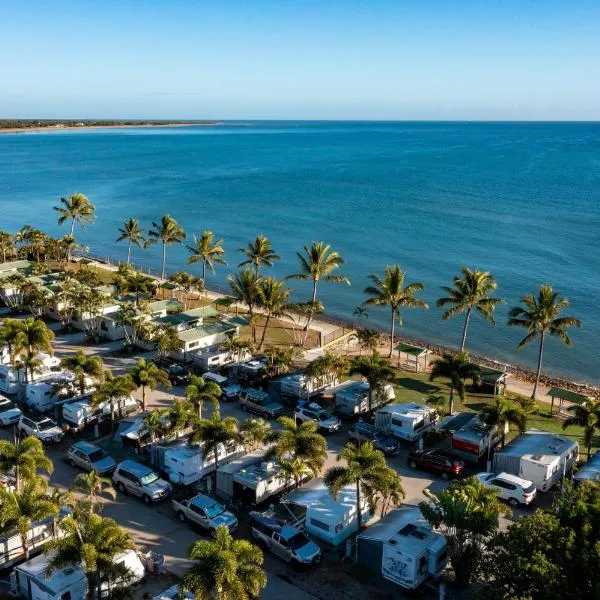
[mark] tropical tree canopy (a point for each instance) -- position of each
(167, 231)
(259, 252)
(208, 251)
(201, 390)
(84, 367)
(24, 458)
(376, 370)
(457, 369)
(133, 234)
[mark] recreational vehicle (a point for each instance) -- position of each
(405, 421)
(250, 372)
(175, 593)
(538, 456)
(324, 517)
(403, 548)
(12, 379)
(475, 440)
(300, 386)
(79, 413)
(352, 397)
(214, 358)
(43, 395)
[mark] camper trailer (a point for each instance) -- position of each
(352, 398)
(209, 359)
(323, 517)
(185, 464)
(405, 421)
(250, 479)
(12, 379)
(43, 395)
(79, 413)
(475, 440)
(538, 456)
(299, 386)
(403, 548)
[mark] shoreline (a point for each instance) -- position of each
(128, 126)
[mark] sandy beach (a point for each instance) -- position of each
(78, 127)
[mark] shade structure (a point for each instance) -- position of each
(413, 354)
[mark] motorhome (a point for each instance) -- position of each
(214, 358)
(251, 479)
(300, 386)
(403, 547)
(324, 517)
(538, 456)
(352, 397)
(184, 464)
(79, 413)
(13, 379)
(405, 421)
(474, 440)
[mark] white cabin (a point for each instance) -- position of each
(405, 421)
(403, 547)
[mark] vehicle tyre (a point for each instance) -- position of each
(121, 488)
(147, 499)
(72, 463)
(513, 502)
(181, 516)
(445, 475)
(412, 464)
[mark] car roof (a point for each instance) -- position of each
(203, 501)
(86, 447)
(514, 479)
(134, 467)
(40, 419)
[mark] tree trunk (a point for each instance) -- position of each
(539, 367)
(264, 333)
(69, 250)
(199, 404)
(164, 260)
(358, 510)
(466, 325)
(370, 399)
(451, 399)
(25, 547)
(392, 332)
(203, 271)
(143, 398)
(129, 253)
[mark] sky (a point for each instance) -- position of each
(301, 59)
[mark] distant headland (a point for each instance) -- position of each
(23, 125)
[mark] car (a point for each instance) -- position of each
(9, 412)
(137, 479)
(259, 402)
(314, 412)
(230, 389)
(515, 490)
(90, 457)
(206, 512)
(46, 430)
(365, 432)
(178, 375)
(439, 461)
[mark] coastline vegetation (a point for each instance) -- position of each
(75, 123)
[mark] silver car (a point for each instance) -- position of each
(141, 481)
(206, 512)
(9, 412)
(314, 412)
(90, 457)
(44, 429)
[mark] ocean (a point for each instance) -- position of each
(521, 200)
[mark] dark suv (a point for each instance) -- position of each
(178, 375)
(365, 432)
(438, 461)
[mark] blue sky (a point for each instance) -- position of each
(304, 59)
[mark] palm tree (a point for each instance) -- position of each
(246, 288)
(112, 390)
(92, 542)
(208, 251)
(25, 458)
(133, 233)
(457, 369)
(139, 284)
(503, 413)
(187, 282)
(59, 499)
(391, 291)
(586, 414)
(9, 331)
(541, 317)
(225, 568)
(259, 252)
(215, 433)
(93, 486)
(376, 370)
(181, 415)
(148, 376)
(200, 391)
(34, 336)
(78, 209)
(295, 470)
(318, 263)
(19, 509)
(390, 490)
(168, 232)
(255, 433)
(326, 368)
(156, 423)
(301, 442)
(279, 360)
(471, 292)
(438, 403)
(273, 299)
(7, 245)
(365, 467)
(29, 363)
(84, 366)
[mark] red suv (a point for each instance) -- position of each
(438, 461)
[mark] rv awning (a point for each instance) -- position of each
(567, 395)
(412, 350)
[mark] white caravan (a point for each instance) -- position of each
(475, 440)
(43, 395)
(79, 413)
(405, 421)
(352, 397)
(214, 358)
(538, 456)
(12, 379)
(403, 547)
(300, 386)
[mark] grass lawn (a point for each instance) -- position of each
(279, 333)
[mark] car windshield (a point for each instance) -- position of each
(298, 541)
(149, 478)
(228, 383)
(97, 455)
(322, 415)
(259, 400)
(45, 425)
(529, 489)
(7, 405)
(214, 510)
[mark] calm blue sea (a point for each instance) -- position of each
(521, 200)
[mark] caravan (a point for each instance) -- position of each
(538, 456)
(12, 379)
(77, 413)
(475, 439)
(43, 395)
(214, 358)
(352, 397)
(299, 386)
(403, 547)
(405, 421)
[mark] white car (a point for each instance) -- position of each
(44, 429)
(9, 412)
(313, 412)
(514, 490)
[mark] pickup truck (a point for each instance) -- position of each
(288, 542)
(204, 511)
